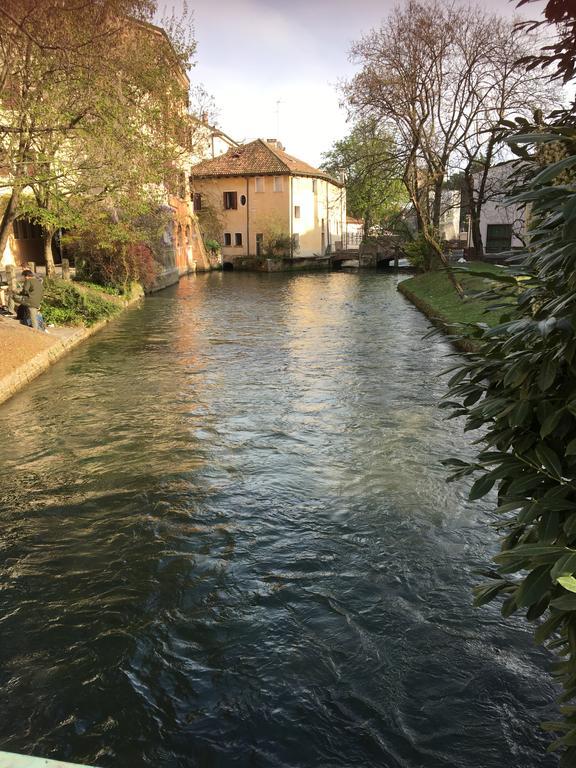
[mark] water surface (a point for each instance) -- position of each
(226, 540)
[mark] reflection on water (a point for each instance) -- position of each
(227, 540)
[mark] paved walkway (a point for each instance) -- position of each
(19, 344)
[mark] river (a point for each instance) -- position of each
(227, 540)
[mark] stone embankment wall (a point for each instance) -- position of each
(463, 345)
(26, 353)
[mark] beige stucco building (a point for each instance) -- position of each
(262, 195)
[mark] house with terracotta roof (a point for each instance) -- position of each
(266, 198)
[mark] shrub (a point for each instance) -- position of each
(418, 252)
(520, 391)
(65, 304)
(279, 245)
(116, 265)
(212, 245)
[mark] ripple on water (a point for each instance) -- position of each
(227, 540)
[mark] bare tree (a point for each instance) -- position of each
(439, 76)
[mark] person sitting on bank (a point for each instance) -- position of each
(30, 296)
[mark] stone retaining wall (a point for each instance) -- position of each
(464, 345)
(25, 373)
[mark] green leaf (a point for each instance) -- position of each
(533, 138)
(547, 374)
(550, 423)
(548, 627)
(486, 592)
(553, 170)
(566, 602)
(509, 607)
(523, 551)
(481, 487)
(564, 566)
(522, 485)
(571, 448)
(550, 526)
(570, 525)
(549, 460)
(534, 587)
(536, 610)
(521, 414)
(568, 582)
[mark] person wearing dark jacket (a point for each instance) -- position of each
(30, 296)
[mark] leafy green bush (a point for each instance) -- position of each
(65, 304)
(279, 245)
(520, 390)
(212, 245)
(111, 290)
(417, 252)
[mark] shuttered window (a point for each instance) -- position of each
(230, 201)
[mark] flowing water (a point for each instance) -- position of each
(226, 540)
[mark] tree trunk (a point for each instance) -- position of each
(367, 225)
(475, 208)
(48, 255)
(476, 234)
(437, 205)
(8, 218)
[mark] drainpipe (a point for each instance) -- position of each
(291, 215)
(327, 219)
(247, 217)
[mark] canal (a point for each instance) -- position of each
(226, 540)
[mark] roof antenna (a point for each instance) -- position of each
(278, 118)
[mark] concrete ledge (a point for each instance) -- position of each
(40, 362)
(11, 760)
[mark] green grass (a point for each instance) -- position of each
(436, 292)
(66, 303)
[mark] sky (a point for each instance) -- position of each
(273, 66)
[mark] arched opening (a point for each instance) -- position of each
(227, 266)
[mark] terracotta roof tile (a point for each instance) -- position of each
(257, 159)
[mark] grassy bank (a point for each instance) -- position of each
(436, 297)
(78, 304)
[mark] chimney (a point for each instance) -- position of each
(275, 144)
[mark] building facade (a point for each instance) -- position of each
(270, 203)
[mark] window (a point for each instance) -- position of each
(296, 211)
(197, 199)
(230, 201)
(314, 185)
(242, 199)
(277, 183)
(238, 238)
(498, 237)
(227, 238)
(259, 183)
(259, 244)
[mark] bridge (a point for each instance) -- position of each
(365, 257)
